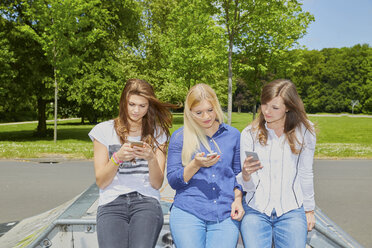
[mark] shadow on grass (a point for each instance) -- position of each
(177, 119)
(65, 131)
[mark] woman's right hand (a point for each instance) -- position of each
(201, 161)
(126, 152)
(250, 166)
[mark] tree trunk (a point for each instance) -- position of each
(239, 109)
(229, 104)
(254, 110)
(41, 126)
(55, 105)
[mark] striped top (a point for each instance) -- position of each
(131, 176)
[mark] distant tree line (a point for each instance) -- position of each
(85, 50)
(329, 80)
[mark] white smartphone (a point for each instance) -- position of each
(213, 154)
(253, 154)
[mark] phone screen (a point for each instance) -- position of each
(253, 154)
(136, 143)
(212, 154)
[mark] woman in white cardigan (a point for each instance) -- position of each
(279, 202)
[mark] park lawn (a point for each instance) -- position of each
(18, 141)
(343, 137)
(337, 138)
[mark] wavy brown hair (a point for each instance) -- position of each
(295, 116)
(158, 115)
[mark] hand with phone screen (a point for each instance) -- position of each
(142, 150)
(212, 154)
(135, 149)
(136, 143)
(209, 160)
(251, 165)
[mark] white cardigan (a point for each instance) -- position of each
(286, 180)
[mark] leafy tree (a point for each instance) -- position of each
(68, 39)
(233, 15)
(275, 28)
(29, 70)
(261, 31)
(243, 98)
(107, 58)
(328, 80)
(185, 47)
(7, 58)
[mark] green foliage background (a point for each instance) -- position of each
(89, 48)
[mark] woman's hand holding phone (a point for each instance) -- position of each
(251, 165)
(206, 161)
(143, 150)
(125, 153)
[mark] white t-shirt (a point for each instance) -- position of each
(131, 176)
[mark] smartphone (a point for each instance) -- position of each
(213, 154)
(253, 154)
(136, 143)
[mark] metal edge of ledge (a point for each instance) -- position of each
(72, 213)
(331, 231)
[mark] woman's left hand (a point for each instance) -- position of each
(237, 210)
(310, 218)
(144, 152)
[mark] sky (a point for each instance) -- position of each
(338, 23)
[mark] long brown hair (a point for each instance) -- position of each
(295, 116)
(157, 117)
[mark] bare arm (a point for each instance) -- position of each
(105, 169)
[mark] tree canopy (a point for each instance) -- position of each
(87, 49)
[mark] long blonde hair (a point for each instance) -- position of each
(295, 116)
(193, 134)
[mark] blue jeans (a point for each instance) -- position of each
(259, 230)
(189, 231)
(131, 220)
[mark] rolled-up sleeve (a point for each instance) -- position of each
(236, 163)
(305, 171)
(174, 162)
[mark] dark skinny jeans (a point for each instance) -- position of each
(130, 221)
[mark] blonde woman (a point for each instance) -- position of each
(203, 160)
(279, 181)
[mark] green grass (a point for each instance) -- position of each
(343, 137)
(337, 137)
(18, 141)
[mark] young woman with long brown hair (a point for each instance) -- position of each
(129, 173)
(280, 194)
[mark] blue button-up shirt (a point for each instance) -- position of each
(210, 192)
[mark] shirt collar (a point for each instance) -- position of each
(272, 132)
(222, 128)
